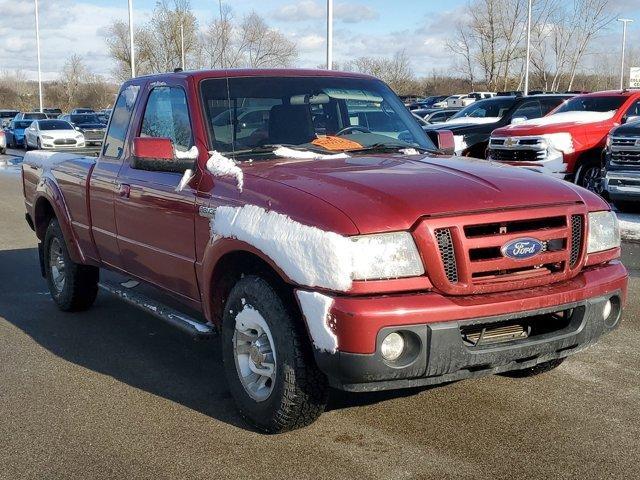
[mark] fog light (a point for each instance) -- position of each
(392, 346)
(606, 310)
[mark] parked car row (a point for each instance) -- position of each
(53, 129)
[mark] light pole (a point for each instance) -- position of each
(528, 56)
(624, 41)
(329, 34)
(38, 52)
(131, 47)
(182, 43)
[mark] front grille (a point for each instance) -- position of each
(93, 135)
(577, 232)
(447, 253)
(472, 258)
(517, 149)
(625, 150)
(64, 141)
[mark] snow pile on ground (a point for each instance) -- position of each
(629, 226)
(568, 117)
(472, 120)
(306, 155)
(307, 255)
(42, 159)
(221, 166)
(315, 308)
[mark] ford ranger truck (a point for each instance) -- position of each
(569, 142)
(622, 166)
(306, 218)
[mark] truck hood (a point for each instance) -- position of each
(391, 192)
(559, 122)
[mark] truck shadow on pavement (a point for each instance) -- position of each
(115, 339)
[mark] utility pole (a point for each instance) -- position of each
(131, 46)
(38, 49)
(329, 34)
(528, 57)
(624, 41)
(182, 43)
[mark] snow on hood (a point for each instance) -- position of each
(307, 255)
(315, 309)
(568, 117)
(471, 120)
(42, 159)
(306, 155)
(221, 166)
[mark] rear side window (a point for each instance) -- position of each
(167, 115)
(528, 110)
(114, 140)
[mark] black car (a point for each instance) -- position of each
(621, 176)
(89, 124)
(81, 111)
(52, 112)
(472, 126)
(6, 116)
(435, 115)
(426, 102)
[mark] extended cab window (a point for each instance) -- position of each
(634, 110)
(167, 116)
(114, 141)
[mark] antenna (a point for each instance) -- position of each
(234, 119)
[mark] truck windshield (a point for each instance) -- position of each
(489, 108)
(320, 113)
(606, 103)
(85, 118)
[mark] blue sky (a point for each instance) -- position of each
(362, 27)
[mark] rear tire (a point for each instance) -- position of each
(295, 395)
(537, 370)
(73, 287)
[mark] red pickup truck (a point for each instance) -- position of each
(305, 217)
(569, 142)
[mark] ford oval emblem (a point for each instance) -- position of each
(522, 248)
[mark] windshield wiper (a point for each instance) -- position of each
(386, 147)
(270, 148)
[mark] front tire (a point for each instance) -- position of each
(73, 287)
(268, 360)
(589, 176)
(536, 370)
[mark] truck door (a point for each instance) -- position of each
(155, 223)
(102, 188)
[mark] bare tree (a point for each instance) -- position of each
(249, 43)
(395, 71)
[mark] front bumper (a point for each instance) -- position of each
(622, 184)
(434, 323)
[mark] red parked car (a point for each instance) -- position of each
(306, 217)
(569, 142)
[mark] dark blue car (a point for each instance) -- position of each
(15, 132)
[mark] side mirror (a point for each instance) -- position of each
(157, 155)
(445, 142)
(517, 120)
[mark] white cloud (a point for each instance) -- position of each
(312, 10)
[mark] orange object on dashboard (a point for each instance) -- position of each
(336, 143)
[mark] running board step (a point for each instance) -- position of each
(165, 313)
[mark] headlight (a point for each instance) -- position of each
(385, 255)
(459, 144)
(560, 141)
(79, 137)
(47, 137)
(604, 232)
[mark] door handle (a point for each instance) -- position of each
(124, 190)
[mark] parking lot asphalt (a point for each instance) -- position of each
(114, 393)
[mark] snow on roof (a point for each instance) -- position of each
(43, 159)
